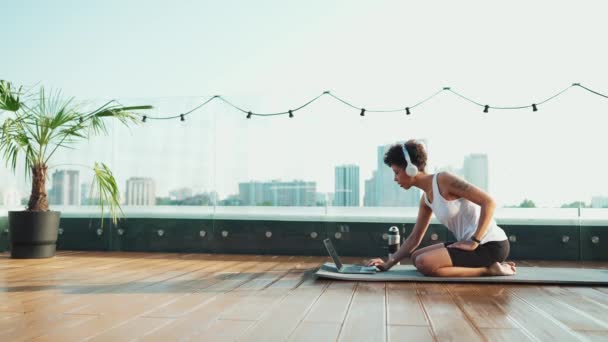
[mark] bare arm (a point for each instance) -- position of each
(458, 187)
(414, 239)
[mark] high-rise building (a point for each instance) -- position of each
(453, 170)
(599, 202)
(88, 195)
(369, 197)
(65, 188)
(86, 198)
(324, 199)
(180, 194)
(141, 191)
(346, 186)
(277, 193)
(252, 193)
(475, 170)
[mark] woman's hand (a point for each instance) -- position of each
(382, 266)
(465, 245)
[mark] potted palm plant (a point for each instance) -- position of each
(34, 129)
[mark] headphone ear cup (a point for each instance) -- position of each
(411, 170)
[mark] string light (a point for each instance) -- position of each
(362, 110)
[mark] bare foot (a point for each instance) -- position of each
(510, 263)
(504, 269)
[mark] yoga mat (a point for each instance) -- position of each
(525, 275)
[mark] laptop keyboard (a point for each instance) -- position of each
(357, 268)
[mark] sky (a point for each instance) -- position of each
(270, 56)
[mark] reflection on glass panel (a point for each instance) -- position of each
(168, 162)
(155, 163)
(330, 156)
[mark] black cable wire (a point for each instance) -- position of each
(587, 89)
(407, 109)
(466, 98)
(428, 98)
(511, 107)
(346, 103)
(180, 115)
(271, 114)
(385, 110)
(554, 96)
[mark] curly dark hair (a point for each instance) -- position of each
(394, 155)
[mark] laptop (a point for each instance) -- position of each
(360, 269)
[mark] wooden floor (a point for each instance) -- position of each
(117, 296)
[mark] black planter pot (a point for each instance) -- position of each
(33, 233)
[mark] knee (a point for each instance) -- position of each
(424, 266)
(414, 257)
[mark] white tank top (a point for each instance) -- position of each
(461, 216)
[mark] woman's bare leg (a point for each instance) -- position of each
(424, 250)
(437, 263)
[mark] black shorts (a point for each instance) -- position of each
(484, 256)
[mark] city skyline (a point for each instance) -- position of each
(65, 186)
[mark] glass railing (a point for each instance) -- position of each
(326, 162)
(507, 216)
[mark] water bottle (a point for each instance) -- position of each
(394, 241)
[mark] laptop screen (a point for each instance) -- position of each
(332, 252)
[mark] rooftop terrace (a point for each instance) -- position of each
(120, 296)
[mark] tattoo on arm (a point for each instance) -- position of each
(461, 185)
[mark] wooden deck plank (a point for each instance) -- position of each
(124, 296)
(505, 335)
(333, 303)
(132, 329)
(576, 314)
(409, 333)
(589, 294)
(324, 320)
(143, 304)
(220, 298)
(479, 307)
(316, 332)
(594, 336)
(26, 330)
(531, 320)
(279, 322)
(198, 320)
(223, 330)
(404, 307)
(254, 306)
(366, 316)
(448, 321)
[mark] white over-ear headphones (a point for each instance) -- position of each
(411, 169)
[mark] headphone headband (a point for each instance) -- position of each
(406, 154)
(410, 169)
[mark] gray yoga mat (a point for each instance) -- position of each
(525, 275)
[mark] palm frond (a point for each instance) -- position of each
(12, 141)
(46, 121)
(9, 99)
(108, 191)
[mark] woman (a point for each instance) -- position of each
(481, 247)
